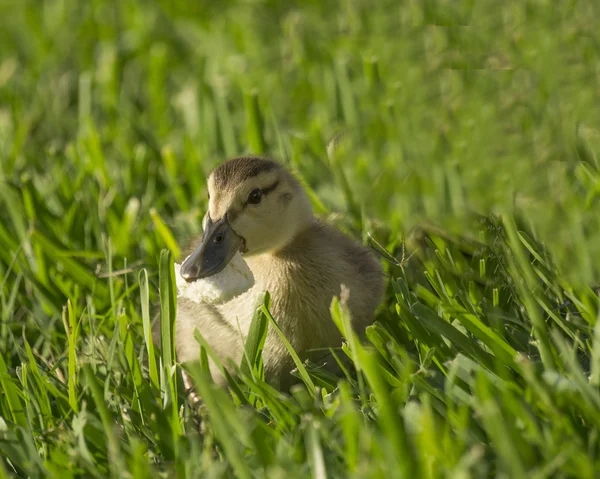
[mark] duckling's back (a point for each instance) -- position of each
(342, 260)
(306, 275)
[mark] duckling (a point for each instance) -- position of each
(256, 206)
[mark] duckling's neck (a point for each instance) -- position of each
(300, 221)
(296, 235)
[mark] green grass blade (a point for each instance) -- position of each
(164, 233)
(168, 306)
(145, 304)
(290, 349)
(70, 324)
(15, 410)
(257, 334)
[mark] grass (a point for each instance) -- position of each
(473, 138)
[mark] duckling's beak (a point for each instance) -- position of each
(219, 244)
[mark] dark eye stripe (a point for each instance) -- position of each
(265, 191)
(268, 189)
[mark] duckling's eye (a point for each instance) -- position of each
(255, 197)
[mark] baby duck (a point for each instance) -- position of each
(257, 207)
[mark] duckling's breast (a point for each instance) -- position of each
(300, 299)
(238, 311)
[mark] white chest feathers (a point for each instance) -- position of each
(235, 279)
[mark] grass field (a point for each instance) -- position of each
(473, 138)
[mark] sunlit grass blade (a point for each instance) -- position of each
(313, 444)
(164, 233)
(168, 306)
(257, 334)
(14, 409)
(290, 349)
(351, 425)
(43, 392)
(72, 330)
(145, 306)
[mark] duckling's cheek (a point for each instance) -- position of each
(285, 198)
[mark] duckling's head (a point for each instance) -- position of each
(255, 206)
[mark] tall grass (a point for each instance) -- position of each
(471, 154)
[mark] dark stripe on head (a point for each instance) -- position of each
(241, 169)
(268, 189)
(265, 191)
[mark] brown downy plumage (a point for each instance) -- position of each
(256, 206)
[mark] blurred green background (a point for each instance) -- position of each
(456, 107)
(462, 117)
